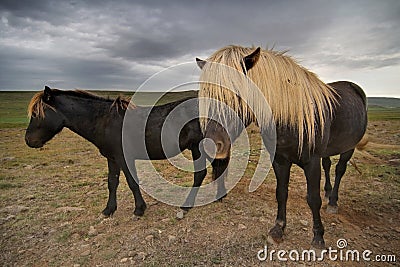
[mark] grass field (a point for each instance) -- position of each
(376, 113)
(51, 201)
(14, 104)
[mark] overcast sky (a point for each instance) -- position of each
(119, 44)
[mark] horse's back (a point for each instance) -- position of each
(163, 131)
(349, 121)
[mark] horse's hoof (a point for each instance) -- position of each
(139, 211)
(186, 209)
(221, 198)
(327, 195)
(332, 209)
(107, 212)
(276, 233)
(318, 243)
(181, 214)
(105, 216)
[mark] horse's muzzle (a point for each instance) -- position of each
(33, 143)
(214, 149)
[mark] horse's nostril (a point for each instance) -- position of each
(32, 142)
(209, 147)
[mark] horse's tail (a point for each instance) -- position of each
(363, 143)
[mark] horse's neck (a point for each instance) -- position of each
(86, 118)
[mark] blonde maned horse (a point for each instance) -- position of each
(313, 120)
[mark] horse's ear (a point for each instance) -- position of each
(47, 94)
(200, 62)
(251, 60)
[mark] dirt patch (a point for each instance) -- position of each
(52, 198)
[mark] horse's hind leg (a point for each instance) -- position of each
(326, 165)
(282, 172)
(339, 172)
(200, 171)
(132, 179)
(113, 181)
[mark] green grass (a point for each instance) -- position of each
(13, 108)
(377, 113)
(9, 185)
(14, 105)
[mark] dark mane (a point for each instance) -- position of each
(37, 104)
(121, 104)
(83, 94)
(118, 104)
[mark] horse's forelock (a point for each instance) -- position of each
(37, 105)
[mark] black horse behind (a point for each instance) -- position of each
(100, 121)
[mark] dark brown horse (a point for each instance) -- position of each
(100, 121)
(313, 120)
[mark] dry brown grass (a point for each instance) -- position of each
(38, 185)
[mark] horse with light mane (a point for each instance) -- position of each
(313, 120)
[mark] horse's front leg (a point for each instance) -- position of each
(132, 179)
(220, 171)
(113, 181)
(282, 172)
(312, 171)
(200, 171)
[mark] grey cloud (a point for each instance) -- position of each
(102, 44)
(34, 70)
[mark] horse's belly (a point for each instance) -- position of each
(345, 136)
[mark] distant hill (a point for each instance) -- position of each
(386, 102)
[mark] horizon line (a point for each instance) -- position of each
(132, 91)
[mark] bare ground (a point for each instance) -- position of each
(52, 198)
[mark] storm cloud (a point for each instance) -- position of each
(118, 44)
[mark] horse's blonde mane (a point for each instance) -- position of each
(297, 97)
(37, 105)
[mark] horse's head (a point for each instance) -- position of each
(245, 62)
(224, 113)
(45, 122)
